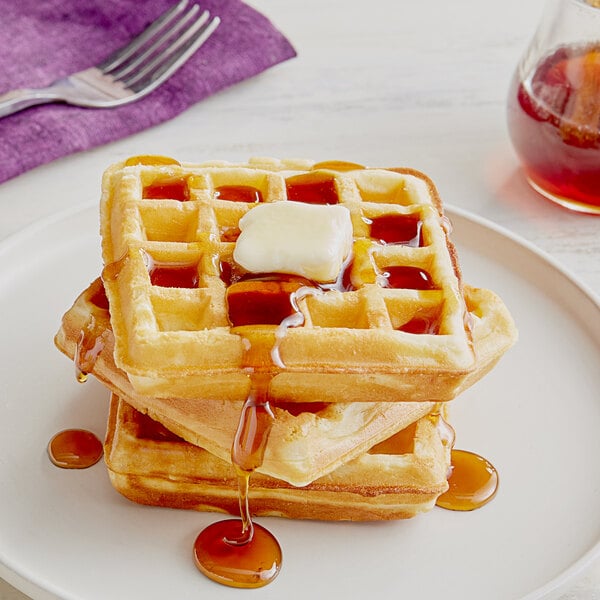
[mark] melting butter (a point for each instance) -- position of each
(295, 238)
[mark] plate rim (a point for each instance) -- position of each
(29, 584)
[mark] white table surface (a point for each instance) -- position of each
(387, 83)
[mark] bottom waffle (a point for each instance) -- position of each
(396, 479)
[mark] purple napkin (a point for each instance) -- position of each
(42, 40)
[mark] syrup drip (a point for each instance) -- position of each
(295, 319)
(111, 271)
(93, 335)
(91, 342)
(238, 193)
(254, 427)
(473, 482)
(99, 298)
(445, 430)
(240, 553)
(75, 449)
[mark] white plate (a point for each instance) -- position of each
(67, 534)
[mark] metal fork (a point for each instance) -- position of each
(131, 72)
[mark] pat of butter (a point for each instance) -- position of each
(295, 238)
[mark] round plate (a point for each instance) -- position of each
(536, 417)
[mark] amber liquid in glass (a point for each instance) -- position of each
(554, 123)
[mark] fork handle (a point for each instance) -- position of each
(17, 100)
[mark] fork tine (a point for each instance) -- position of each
(164, 66)
(123, 54)
(164, 56)
(135, 61)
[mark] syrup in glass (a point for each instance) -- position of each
(554, 123)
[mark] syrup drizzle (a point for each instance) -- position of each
(90, 344)
(80, 448)
(93, 335)
(472, 479)
(238, 552)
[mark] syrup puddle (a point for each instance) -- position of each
(473, 482)
(75, 449)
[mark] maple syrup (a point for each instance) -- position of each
(312, 188)
(93, 335)
(150, 159)
(91, 342)
(250, 565)
(99, 298)
(239, 193)
(554, 123)
(421, 326)
(261, 301)
(397, 229)
(238, 552)
(473, 482)
(167, 190)
(173, 275)
(75, 449)
(338, 165)
(405, 277)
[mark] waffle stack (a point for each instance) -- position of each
(358, 356)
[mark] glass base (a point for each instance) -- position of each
(573, 205)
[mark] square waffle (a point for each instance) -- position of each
(306, 441)
(399, 478)
(393, 329)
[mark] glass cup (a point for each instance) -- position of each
(554, 106)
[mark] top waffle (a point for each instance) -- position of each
(191, 322)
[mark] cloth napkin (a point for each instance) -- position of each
(42, 40)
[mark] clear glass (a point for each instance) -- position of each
(554, 106)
